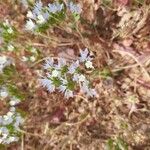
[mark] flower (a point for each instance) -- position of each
(55, 7)
(30, 15)
(32, 58)
(72, 68)
(84, 55)
(40, 19)
(48, 84)
(30, 25)
(10, 47)
(62, 88)
(10, 30)
(3, 93)
(68, 93)
(37, 8)
(61, 63)
(55, 73)
(89, 64)
(3, 60)
(49, 63)
(74, 8)
(14, 101)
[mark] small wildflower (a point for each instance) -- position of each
(55, 7)
(30, 15)
(84, 55)
(10, 47)
(68, 93)
(40, 19)
(72, 68)
(37, 8)
(89, 64)
(10, 30)
(74, 8)
(49, 63)
(55, 73)
(48, 84)
(32, 58)
(4, 93)
(30, 25)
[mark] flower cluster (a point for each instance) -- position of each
(50, 14)
(11, 121)
(42, 14)
(7, 34)
(68, 77)
(33, 54)
(4, 61)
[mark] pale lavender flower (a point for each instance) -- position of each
(55, 7)
(49, 63)
(92, 93)
(84, 55)
(62, 88)
(48, 84)
(61, 63)
(37, 8)
(72, 68)
(74, 8)
(46, 15)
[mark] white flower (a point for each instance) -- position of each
(30, 25)
(10, 30)
(3, 93)
(41, 19)
(10, 114)
(30, 15)
(24, 58)
(10, 47)
(32, 58)
(68, 93)
(3, 59)
(13, 102)
(89, 64)
(6, 23)
(7, 120)
(12, 109)
(55, 73)
(12, 139)
(82, 78)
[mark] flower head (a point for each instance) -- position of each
(74, 8)
(30, 25)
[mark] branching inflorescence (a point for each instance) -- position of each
(69, 77)
(42, 17)
(11, 120)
